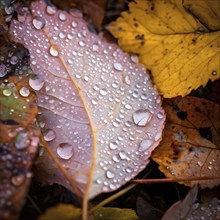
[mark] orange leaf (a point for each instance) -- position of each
(191, 140)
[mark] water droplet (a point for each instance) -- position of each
(3, 70)
(128, 124)
(22, 141)
(82, 43)
(96, 87)
(17, 180)
(110, 174)
(135, 94)
(210, 167)
(160, 115)
(127, 80)
(49, 135)
(134, 58)
(95, 47)
(51, 10)
(128, 106)
(24, 91)
(118, 66)
(103, 92)
(115, 158)
(62, 16)
(65, 151)
(94, 101)
(112, 186)
(129, 169)
(144, 96)
(54, 50)
(141, 117)
(38, 22)
(6, 92)
(14, 60)
(74, 24)
(62, 35)
(214, 73)
(122, 155)
(36, 83)
(145, 144)
(113, 145)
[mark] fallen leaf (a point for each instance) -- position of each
(191, 140)
(189, 208)
(69, 212)
(100, 114)
(180, 52)
(18, 102)
(18, 144)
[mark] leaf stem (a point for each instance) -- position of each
(168, 180)
(111, 198)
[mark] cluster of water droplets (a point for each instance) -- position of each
(90, 91)
(15, 162)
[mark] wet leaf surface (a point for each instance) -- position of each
(101, 116)
(191, 140)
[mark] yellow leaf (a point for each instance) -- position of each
(62, 211)
(190, 144)
(69, 212)
(170, 43)
(109, 213)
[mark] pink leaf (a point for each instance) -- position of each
(101, 116)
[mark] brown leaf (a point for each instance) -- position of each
(18, 144)
(101, 116)
(190, 146)
(190, 209)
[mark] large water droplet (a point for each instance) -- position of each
(17, 180)
(141, 117)
(24, 91)
(110, 174)
(6, 92)
(82, 43)
(62, 16)
(160, 115)
(94, 101)
(3, 70)
(103, 92)
(118, 66)
(115, 158)
(65, 151)
(54, 50)
(38, 22)
(49, 135)
(36, 83)
(145, 144)
(14, 60)
(51, 10)
(22, 141)
(113, 145)
(122, 155)
(74, 24)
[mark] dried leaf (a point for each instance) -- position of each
(190, 209)
(101, 116)
(181, 208)
(69, 212)
(18, 144)
(170, 43)
(191, 140)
